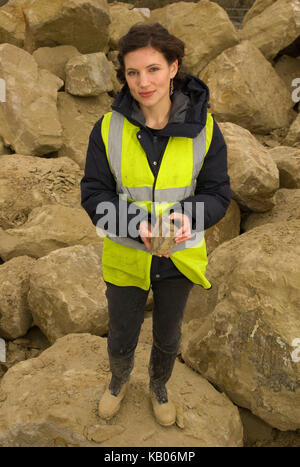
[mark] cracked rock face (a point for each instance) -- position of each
(162, 240)
(52, 401)
(246, 340)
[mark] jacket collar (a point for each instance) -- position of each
(188, 112)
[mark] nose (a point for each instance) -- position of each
(144, 80)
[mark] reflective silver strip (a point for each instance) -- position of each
(126, 241)
(129, 242)
(141, 193)
(115, 146)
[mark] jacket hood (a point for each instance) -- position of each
(188, 112)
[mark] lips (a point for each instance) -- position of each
(146, 94)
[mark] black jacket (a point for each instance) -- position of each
(187, 118)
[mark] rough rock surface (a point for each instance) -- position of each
(12, 24)
(77, 117)
(287, 160)
(67, 292)
(54, 59)
(27, 182)
(247, 343)
(88, 75)
(28, 119)
(254, 177)
(55, 396)
(226, 229)
(81, 23)
(203, 26)
(15, 316)
(293, 135)
(246, 90)
(123, 16)
(47, 228)
(274, 28)
(162, 240)
(287, 208)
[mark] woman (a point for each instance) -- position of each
(158, 151)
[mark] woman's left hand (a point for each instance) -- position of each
(184, 232)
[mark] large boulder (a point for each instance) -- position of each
(81, 23)
(67, 292)
(15, 316)
(123, 16)
(246, 339)
(257, 8)
(288, 68)
(27, 182)
(78, 115)
(276, 27)
(287, 160)
(47, 228)
(52, 401)
(246, 90)
(293, 135)
(204, 27)
(12, 23)
(54, 59)
(254, 177)
(226, 229)
(28, 119)
(286, 208)
(89, 75)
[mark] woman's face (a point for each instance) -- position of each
(148, 75)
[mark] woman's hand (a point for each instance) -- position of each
(184, 231)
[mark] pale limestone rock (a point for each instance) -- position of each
(204, 27)
(12, 23)
(28, 346)
(81, 23)
(78, 115)
(47, 228)
(88, 75)
(55, 396)
(244, 340)
(288, 68)
(293, 135)
(15, 316)
(254, 177)
(257, 8)
(226, 229)
(287, 160)
(27, 182)
(274, 28)
(28, 119)
(287, 208)
(3, 149)
(246, 90)
(54, 59)
(123, 16)
(67, 292)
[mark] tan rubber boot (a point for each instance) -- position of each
(109, 404)
(165, 414)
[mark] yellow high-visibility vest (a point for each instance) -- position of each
(126, 262)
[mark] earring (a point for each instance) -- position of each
(171, 87)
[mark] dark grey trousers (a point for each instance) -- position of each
(126, 307)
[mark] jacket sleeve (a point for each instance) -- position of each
(213, 183)
(99, 186)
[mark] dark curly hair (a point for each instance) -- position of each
(156, 36)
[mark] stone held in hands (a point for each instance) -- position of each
(163, 236)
